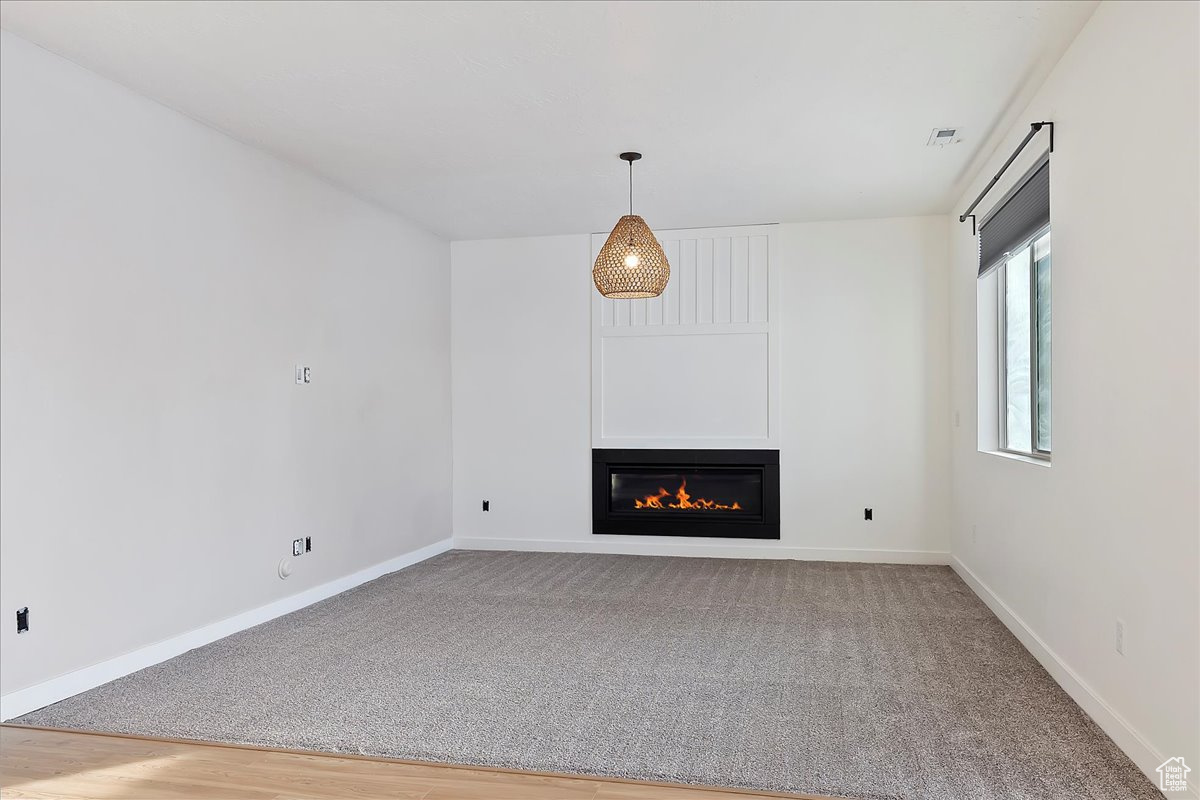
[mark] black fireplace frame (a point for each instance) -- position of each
(606, 522)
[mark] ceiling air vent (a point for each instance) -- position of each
(943, 136)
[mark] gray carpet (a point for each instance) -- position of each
(857, 680)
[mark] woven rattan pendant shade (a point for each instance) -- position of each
(632, 263)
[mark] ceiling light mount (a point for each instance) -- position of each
(632, 263)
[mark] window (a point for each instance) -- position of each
(1014, 308)
(1024, 337)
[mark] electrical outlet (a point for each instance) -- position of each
(487, 505)
(303, 374)
(868, 514)
(23, 620)
(308, 544)
(297, 547)
(1120, 636)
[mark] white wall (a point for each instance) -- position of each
(864, 313)
(159, 283)
(520, 353)
(866, 418)
(1111, 530)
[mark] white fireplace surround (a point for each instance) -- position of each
(697, 367)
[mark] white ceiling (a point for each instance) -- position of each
(504, 119)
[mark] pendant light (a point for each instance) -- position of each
(632, 263)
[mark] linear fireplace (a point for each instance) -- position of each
(723, 493)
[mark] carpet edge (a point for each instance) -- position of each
(22, 701)
(1131, 742)
(740, 550)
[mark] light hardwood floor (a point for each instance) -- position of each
(69, 765)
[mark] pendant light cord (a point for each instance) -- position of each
(631, 188)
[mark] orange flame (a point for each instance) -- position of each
(684, 501)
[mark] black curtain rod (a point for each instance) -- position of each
(1033, 129)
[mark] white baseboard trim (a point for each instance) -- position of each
(1133, 743)
(22, 701)
(640, 547)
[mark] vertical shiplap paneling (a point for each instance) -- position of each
(720, 280)
(704, 281)
(607, 313)
(739, 279)
(759, 289)
(654, 310)
(620, 313)
(637, 312)
(687, 282)
(654, 305)
(722, 289)
(671, 295)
